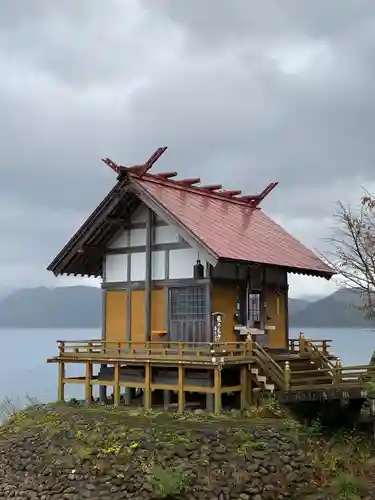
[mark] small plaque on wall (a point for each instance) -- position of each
(217, 323)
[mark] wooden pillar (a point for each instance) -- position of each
(103, 388)
(217, 389)
(210, 402)
(147, 393)
(148, 277)
(181, 393)
(244, 387)
(61, 384)
(166, 399)
(287, 376)
(88, 386)
(250, 386)
(127, 396)
(116, 385)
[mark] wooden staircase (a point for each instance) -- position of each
(284, 371)
(262, 382)
(267, 374)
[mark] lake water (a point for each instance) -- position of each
(24, 371)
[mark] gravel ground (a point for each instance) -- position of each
(56, 453)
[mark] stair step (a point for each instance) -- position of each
(254, 371)
(262, 378)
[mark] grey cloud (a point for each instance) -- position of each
(242, 92)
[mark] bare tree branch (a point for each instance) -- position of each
(353, 249)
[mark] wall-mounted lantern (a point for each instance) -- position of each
(198, 270)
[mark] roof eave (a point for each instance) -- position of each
(317, 273)
(85, 231)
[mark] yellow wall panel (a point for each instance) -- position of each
(276, 309)
(223, 298)
(115, 315)
(137, 318)
(157, 312)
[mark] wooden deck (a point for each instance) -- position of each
(305, 371)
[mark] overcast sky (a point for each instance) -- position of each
(243, 92)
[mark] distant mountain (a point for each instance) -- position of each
(337, 310)
(61, 307)
(80, 307)
(297, 305)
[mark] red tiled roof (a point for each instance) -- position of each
(230, 228)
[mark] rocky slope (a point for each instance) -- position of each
(56, 453)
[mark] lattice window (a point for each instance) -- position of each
(188, 304)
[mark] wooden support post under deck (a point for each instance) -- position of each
(250, 386)
(217, 389)
(210, 402)
(166, 399)
(181, 394)
(116, 385)
(103, 388)
(244, 387)
(88, 386)
(147, 393)
(61, 384)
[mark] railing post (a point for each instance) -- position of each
(324, 347)
(61, 347)
(287, 376)
(249, 346)
(337, 373)
(302, 343)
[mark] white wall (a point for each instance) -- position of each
(116, 267)
(181, 261)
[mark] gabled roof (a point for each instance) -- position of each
(227, 225)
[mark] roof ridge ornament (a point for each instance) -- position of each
(138, 171)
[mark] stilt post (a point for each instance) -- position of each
(88, 386)
(147, 390)
(217, 388)
(61, 384)
(181, 393)
(116, 386)
(244, 387)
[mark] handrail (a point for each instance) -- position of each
(342, 376)
(321, 355)
(268, 364)
(321, 344)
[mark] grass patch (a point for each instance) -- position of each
(349, 487)
(165, 483)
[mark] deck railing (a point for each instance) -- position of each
(153, 350)
(302, 345)
(341, 377)
(328, 374)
